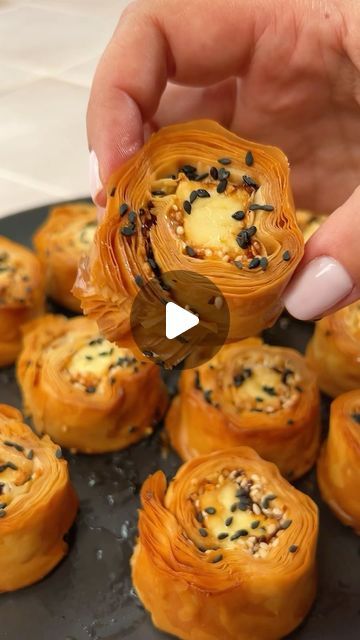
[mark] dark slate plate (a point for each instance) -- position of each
(89, 595)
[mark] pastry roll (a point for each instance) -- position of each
(21, 295)
(227, 550)
(249, 394)
(196, 199)
(309, 222)
(38, 504)
(334, 351)
(86, 393)
(65, 236)
(339, 462)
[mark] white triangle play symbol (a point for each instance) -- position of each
(178, 320)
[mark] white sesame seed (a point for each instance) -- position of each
(256, 509)
(271, 529)
(208, 253)
(218, 302)
(180, 230)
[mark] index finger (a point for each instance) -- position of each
(195, 43)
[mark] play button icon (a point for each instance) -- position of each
(178, 320)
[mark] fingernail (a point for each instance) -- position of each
(94, 176)
(318, 287)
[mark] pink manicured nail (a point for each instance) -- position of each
(94, 176)
(319, 286)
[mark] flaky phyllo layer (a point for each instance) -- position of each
(195, 198)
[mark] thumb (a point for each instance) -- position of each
(328, 277)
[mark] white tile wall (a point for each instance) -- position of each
(48, 53)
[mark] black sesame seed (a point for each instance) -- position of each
(188, 168)
(255, 524)
(239, 534)
(207, 396)
(199, 517)
(228, 521)
(243, 239)
(221, 186)
(193, 196)
(58, 453)
(250, 182)
(249, 159)
(187, 206)
(9, 443)
(132, 217)
(224, 160)
(286, 524)
(139, 280)
(238, 379)
(96, 341)
(201, 549)
(190, 251)
(290, 421)
(214, 173)
(202, 176)
(2, 513)
(261, 207)
(30, 454)
(286, 256)
(269, 390)
(3, 505)
(112, 192)
(293, 548)
(11, 465)
(266, 501)
(90, 389)
(254, 263)
(203, 532)
(222, 536)
(238, 215)
(202, 193)
(124, 208)
(148, 354)
(158, 192)
(127, 231)
(238, 264)
(217, 558)
(210, 510)
(264, 263)
(233, 507)
(356, 417)
(241, 492)
(223, 174)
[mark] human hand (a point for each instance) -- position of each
(273, 71)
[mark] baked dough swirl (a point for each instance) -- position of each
(86, 393)
(38, 504)
(227, 550)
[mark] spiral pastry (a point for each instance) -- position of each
(309, 222)
(334, 351)
(86, 393)
(196, 199)
(38, 504)
(65, 236)
(249, 394)
(21, 295)
(339, 462)
(227, 550)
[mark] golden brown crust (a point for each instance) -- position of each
(334, 351)
(87, 394)
(21, 295)
(38, 503)
(64, 237)
(249, 394)
(256, 583)
(339, 462)
(147, 232)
